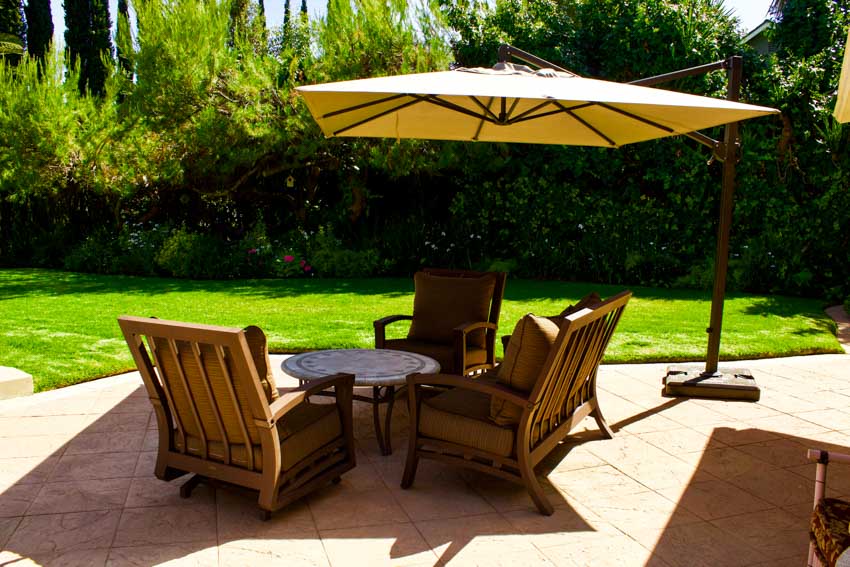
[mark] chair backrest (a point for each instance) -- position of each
(498, 289)
(203, 384)
(568, 378)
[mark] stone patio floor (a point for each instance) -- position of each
(683, 483)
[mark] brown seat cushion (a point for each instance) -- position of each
(260, 353)
(526, 354)
(462, 417)
(829, 529)
(442, 353)
(442, 303)
(306, 428)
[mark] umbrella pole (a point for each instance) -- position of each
(712, 383)
(730, 156)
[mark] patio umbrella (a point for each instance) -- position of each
(513, 103)
(842, 105)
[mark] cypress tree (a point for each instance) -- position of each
(87, 37)
(303, 9)
(286, 31)
(39, 28)
(101, 44)
(238, 18)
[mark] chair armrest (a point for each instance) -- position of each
(290, 399)
(827, 456)
(384, 321)
(498, 390)
(380, 327)
(466, 328)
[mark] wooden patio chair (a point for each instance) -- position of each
(506, 424)
(829, 533)
(220, 416)
(455, 319)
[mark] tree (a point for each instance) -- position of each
(39, 28)
(87, 37)
(12, 30)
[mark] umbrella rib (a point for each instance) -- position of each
(451, 106)
(485, 108)
(636, 117)
(522, 116)
(586, 124)
(376, 116)
(364, 105)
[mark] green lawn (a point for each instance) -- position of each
(60, 327)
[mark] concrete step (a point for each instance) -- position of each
(14, 383)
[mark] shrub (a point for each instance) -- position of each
(192, 255)
(96, 254)
(330, 259)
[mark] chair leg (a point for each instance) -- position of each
(187, 487)
(602, 424)
(532, 485)
(410, 467)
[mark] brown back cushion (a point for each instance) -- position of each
(589, 301)
(525, 356)
(442, 303)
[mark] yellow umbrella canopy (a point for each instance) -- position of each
(842, 105)
(512, 103)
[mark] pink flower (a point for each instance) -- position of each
(308, 267)
(252, 251)
(288, 258)
(302, 263)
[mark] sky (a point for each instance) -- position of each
(750, 12)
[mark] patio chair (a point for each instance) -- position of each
(220, 416)
(455, 318)
(506, 421)
(828, 530)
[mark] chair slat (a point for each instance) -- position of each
(205, 380)
(228, 380)
(190, 396)
(166, 386)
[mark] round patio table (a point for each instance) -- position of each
(382, 369)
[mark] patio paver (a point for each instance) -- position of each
(683, 482)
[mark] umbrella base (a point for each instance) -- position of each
(726, 383)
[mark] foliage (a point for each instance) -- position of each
(12, 31)
(201, 129)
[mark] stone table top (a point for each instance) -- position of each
(371, 367)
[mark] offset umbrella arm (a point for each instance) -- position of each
(507, 51)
